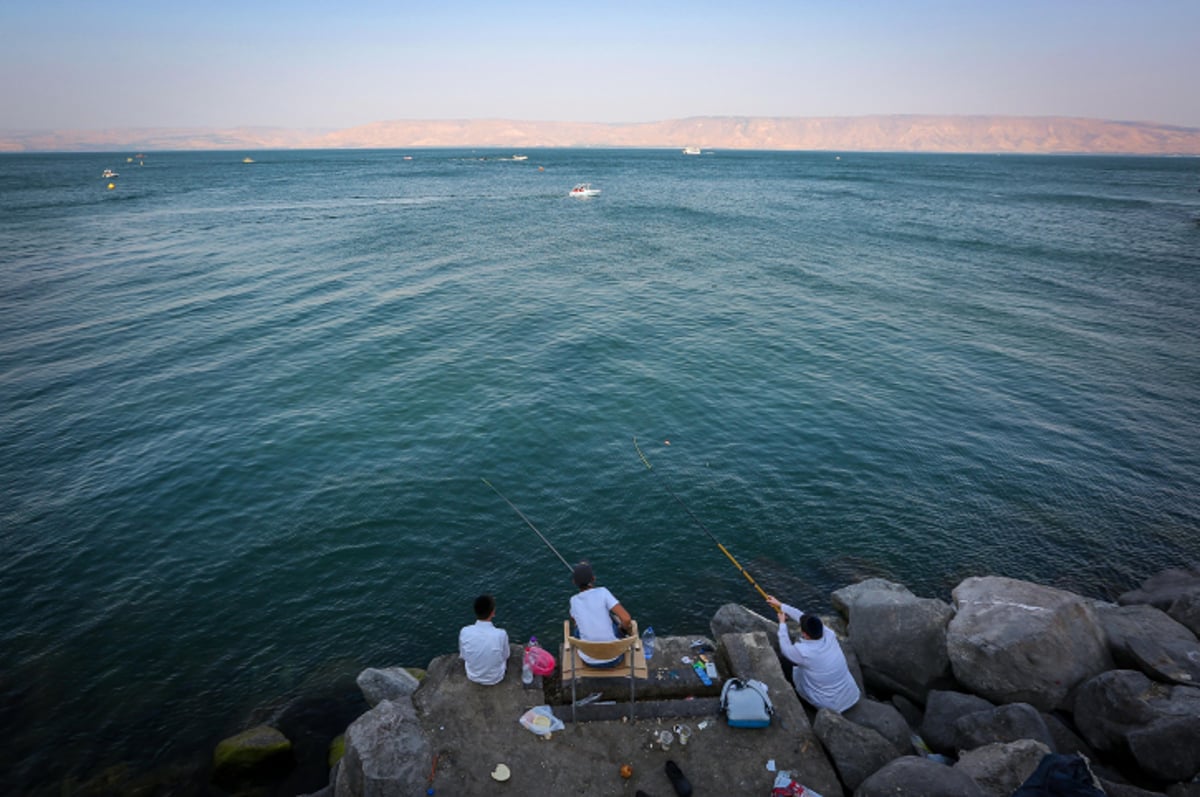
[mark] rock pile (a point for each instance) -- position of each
(1008, 672)
(965, 697)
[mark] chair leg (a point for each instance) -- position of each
(573, 681)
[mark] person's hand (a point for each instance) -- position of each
(774, 603)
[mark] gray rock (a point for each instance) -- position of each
(389, 683)
(1186, 610)
(1158, 724)
(1001, 725)
(251, 757)
(733, 618)
(857, 751)
(1183, 790)
(1066, 740)
(1017, 642)
(913, 776)
(1000, 768)
(884, 719)
(911, 712)
(387, 755)
(1113, 789)
(1163, 589)
(899, 639)
(1145, 638)
(942, 710)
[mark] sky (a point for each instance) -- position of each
(97, 64)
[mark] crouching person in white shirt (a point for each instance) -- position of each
(820, 674)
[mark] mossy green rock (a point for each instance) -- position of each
(337, 749)
(260, 752)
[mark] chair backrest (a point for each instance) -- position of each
(574, 667)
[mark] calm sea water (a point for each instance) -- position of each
(247, 408)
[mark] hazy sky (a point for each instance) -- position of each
(304, 64)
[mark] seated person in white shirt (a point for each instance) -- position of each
(820, 674)
(597, 613)
(483, 646)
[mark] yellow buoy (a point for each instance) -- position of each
(111, 186)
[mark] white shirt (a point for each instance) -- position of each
(484, 649)
(821, 674)
(590, 610)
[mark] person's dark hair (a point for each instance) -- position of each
(811, 625)
(582, 575)
(484, 606)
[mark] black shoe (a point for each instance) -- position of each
(640, 793)
(682, 787)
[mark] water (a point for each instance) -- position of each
(248, 408)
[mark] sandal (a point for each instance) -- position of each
(682, 787)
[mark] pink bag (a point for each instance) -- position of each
(540, 660)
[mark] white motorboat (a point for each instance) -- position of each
(584, 190)
(108, 173)
(520, 157)
(691, 150)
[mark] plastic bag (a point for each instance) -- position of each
(540, 660)
(541, 720)
(787, 786)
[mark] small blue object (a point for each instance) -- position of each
(648, 641)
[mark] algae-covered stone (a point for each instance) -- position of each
(337, 749)
(254, 755)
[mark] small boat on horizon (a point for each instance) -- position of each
(584, 191)
(247, 159)
(520, 157)
(691, 150)
(108, 173)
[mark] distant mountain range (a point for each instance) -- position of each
(981, 134)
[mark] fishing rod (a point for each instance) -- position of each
(712, 537)
(527, 521)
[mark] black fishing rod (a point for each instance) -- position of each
(711, 536)
(535, 530)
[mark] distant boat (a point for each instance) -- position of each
(108, 173)
(584, 191)
(247, 159)
(691, 150)
(520, 157)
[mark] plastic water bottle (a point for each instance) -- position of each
(526, 669)
(648, 641)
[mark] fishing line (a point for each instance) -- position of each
(535, 530)
(711, 536)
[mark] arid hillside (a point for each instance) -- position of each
(991, 134)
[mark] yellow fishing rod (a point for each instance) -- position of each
(724, 550)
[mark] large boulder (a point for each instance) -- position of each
(1186, 610)
(899, 639)
(1123, 711)
(388, 683)
(256, 756)
(1017, 642)
(857, 751)
(912, 776)
(1008, 723)
(1000, 768)
(387, 755)
(884, 718)
(1141, 637)
(942, 712)
(1164, 588)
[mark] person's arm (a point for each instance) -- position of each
(623, 618)
(791, 612)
